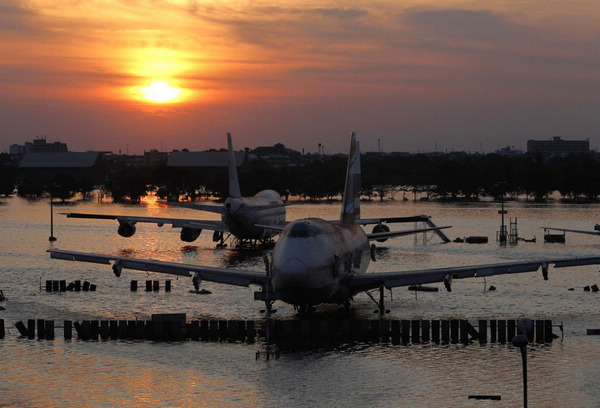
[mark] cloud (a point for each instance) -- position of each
(460, 24)
(14, 17)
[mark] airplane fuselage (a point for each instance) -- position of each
(314, 260)
(241, 214)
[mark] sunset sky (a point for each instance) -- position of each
(459, 75)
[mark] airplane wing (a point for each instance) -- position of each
(573, 230)
(368, 281)
(219, 275)
(391, 220)
(214, 208)
(382, 236)
(160, 221)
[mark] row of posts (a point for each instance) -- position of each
(62, 286)
(151, 285)
(291, 332)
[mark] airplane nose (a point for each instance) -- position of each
(293, 273)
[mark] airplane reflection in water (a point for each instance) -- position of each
(317, 261)
(250, 220)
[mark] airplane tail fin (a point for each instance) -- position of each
(234, 185)
(352, 189)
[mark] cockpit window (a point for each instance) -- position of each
(302, 229)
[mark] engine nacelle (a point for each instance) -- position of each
(190, 234)
(126, 229)
(381, 228)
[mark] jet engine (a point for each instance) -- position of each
(381, 228)
(117, 268)
(126, 229)
(190, 234)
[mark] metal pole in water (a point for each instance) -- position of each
(52, 237)
(521, 341)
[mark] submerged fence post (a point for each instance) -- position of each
(68, 329)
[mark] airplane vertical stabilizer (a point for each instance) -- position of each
(352, 189)
(234, 185)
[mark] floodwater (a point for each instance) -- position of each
(73, 373)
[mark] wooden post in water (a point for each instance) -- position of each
(454, 331)
(41, 328)
(68, 329)
(140, 329)
(49, 330)
(85, 330)
(425, 331)
(195, 330)
(445, 331)
(22, 329)
(250, 331)
(384, 331)
(482, 331)
(30, 328)
(465, 331)
(435, 331)
(213, 330)
(374, 332)
(405, 331)
(204, 330)
(395, 332)
(122, 329)
(94, 329)
(511, 329)
(502, 331)
(104, 329)
(113, 329)
(415, 331)
(548, 336)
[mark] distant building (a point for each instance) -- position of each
(509, 151)
(557, 147)
(154, 158)
(278, 155)
(207, 161)
(38, 145)
(47, 165)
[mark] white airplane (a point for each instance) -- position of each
(318, 261)
(243, 217)
(595, 232)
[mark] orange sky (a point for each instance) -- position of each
(459, 75)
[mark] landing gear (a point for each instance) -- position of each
(380, 304)
(220, 239)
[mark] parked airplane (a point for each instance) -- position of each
(595, 232)
(240, 216)
(251, 220)
(316, 261)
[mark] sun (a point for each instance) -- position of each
(160, 92)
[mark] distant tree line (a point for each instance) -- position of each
(441, 177)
